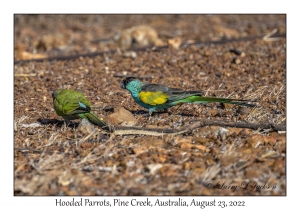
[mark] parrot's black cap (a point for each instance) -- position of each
(124, 83)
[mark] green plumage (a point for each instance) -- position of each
(71, 105)
(205, 99)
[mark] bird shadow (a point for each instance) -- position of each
(185, 114)
(140, 112)
(58, 123)
(146, 113)
(157, 113)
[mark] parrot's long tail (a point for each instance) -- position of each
(203, 99)
(93, 119)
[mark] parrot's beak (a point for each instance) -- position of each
(122, 85)
(54, 94)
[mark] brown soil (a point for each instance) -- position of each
(73, 160)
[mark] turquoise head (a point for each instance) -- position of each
(132, 84)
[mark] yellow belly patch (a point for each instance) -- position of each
(153, 98)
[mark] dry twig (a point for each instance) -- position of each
(195, 125)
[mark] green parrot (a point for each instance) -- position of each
(71, 105)
(156, 97)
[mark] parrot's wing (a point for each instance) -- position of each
(155, 88)
(178, 94)
(75, 107)
(70, 103)
(155, 94)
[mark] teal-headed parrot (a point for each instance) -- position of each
(156, 97)
(70, 105)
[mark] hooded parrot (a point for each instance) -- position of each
(156, 97)
(70, 105)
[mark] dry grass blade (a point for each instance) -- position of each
(24, 75)
(271, 39)
(53, 139)
(210, 173)
(87, 137)
(256, 114)
(19, 121)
